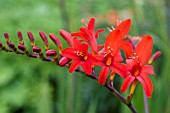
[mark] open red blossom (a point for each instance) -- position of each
(138, 68)
(111, 57)
(79, 53)
(124, 27)
(89, 35)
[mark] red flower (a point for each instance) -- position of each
(137, 68)
(111, 57)
(89, 35)
(124, 27)
(79, 53)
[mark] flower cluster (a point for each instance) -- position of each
(132, 69)
(85, 53)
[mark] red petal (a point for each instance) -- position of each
(83, 48)
(144, 49)
(103, 75)
(70, 53)
(94, 60)
(126, 83)
(87, 67)
(131, 62)
(98, 31)
(148, 69)
(81, 35)
(128, 48)
(74, 66)
(147, 84)
(91, 25)
(76, 43)
(120, 69)
(118, 57)
(124, 27)
(113, 41)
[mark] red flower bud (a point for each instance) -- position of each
(56, 40)
(51, 53)
(154, 57)
(36, 49)
(67, 37)
(11, 45)
(21, 47)
(44, 38)
(31, 37)
(20, 38)
(6, 36)
(63, 61)
(1, 45)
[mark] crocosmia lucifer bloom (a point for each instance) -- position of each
(124, 27)
(111, 57)
(138, 68)
(79, 53)
(88, 35)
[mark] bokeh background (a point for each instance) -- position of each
(31, 86)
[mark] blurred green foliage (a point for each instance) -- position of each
(32, 86)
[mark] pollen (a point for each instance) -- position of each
(109, 61)
(136, 73)
(85, 57)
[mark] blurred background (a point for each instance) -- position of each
(31, 86)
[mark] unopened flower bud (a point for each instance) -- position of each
(51, 53)
(154, 57)
(31, 37)
(20, 38)
(63, 61)
(36, 49)
(11, 45)
(21, 47)
(1, 45)
(56, 40)
(6, 37)
(67, 37)
(45, 39)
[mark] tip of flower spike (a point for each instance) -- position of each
(31, 37)
(56, 41)
(45, 39)
(20, 37)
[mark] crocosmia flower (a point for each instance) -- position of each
(138, 68)
(88, 35)
(79, 53)
(111, 57)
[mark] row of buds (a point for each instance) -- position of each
(51, 54)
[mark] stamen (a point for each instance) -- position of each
(109, 61)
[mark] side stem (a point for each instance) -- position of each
(145, 103)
